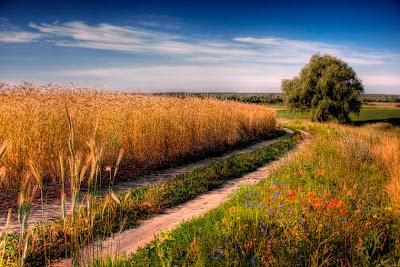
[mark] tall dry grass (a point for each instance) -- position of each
(153, 131)
(378, 144)
(387, 153)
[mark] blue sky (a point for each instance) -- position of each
(246, 46)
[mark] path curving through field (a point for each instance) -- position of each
(52, 208)
(130, 240)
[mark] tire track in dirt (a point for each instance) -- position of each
(52, 208)
(130, 240)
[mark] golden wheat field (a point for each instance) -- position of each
(152, 131)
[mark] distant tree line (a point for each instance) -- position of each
(257, 99)
(261, 98)
(380, 98)
(274, 98)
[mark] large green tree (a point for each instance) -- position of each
(327, 86)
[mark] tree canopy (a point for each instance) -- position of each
(327, 86)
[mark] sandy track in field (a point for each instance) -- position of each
(129, 241)
(52, 208)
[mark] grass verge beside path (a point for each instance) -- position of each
(102, 217)
(333, 205)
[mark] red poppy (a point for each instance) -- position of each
(301, 172)
(344, 212)
(293, 232)
(292, 194)
(316, 203)
(331, 204)
(327, 195)
(339, 204)
(310, 195)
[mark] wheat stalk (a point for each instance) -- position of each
(153, 131)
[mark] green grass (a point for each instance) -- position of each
(114, 213)
(269, 225)
(366, 114)
(283, 113)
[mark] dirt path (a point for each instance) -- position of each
(129, 241)
(52, 208)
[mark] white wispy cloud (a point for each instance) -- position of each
(293, 48)
(265, 50)
(262, 50)
(241, 77)
(10, 33)
(132, 39)
(282, 42)
(200, 62)
(19, 37)
(193, 77)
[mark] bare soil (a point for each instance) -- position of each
(130, 240)
(52, 202)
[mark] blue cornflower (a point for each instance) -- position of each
(253, 261)
(216, 257)
(219, 250)
(260, 205)
(354, 204)
(290, 211)
(247, 204)
(275, 182)
(278, 193)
